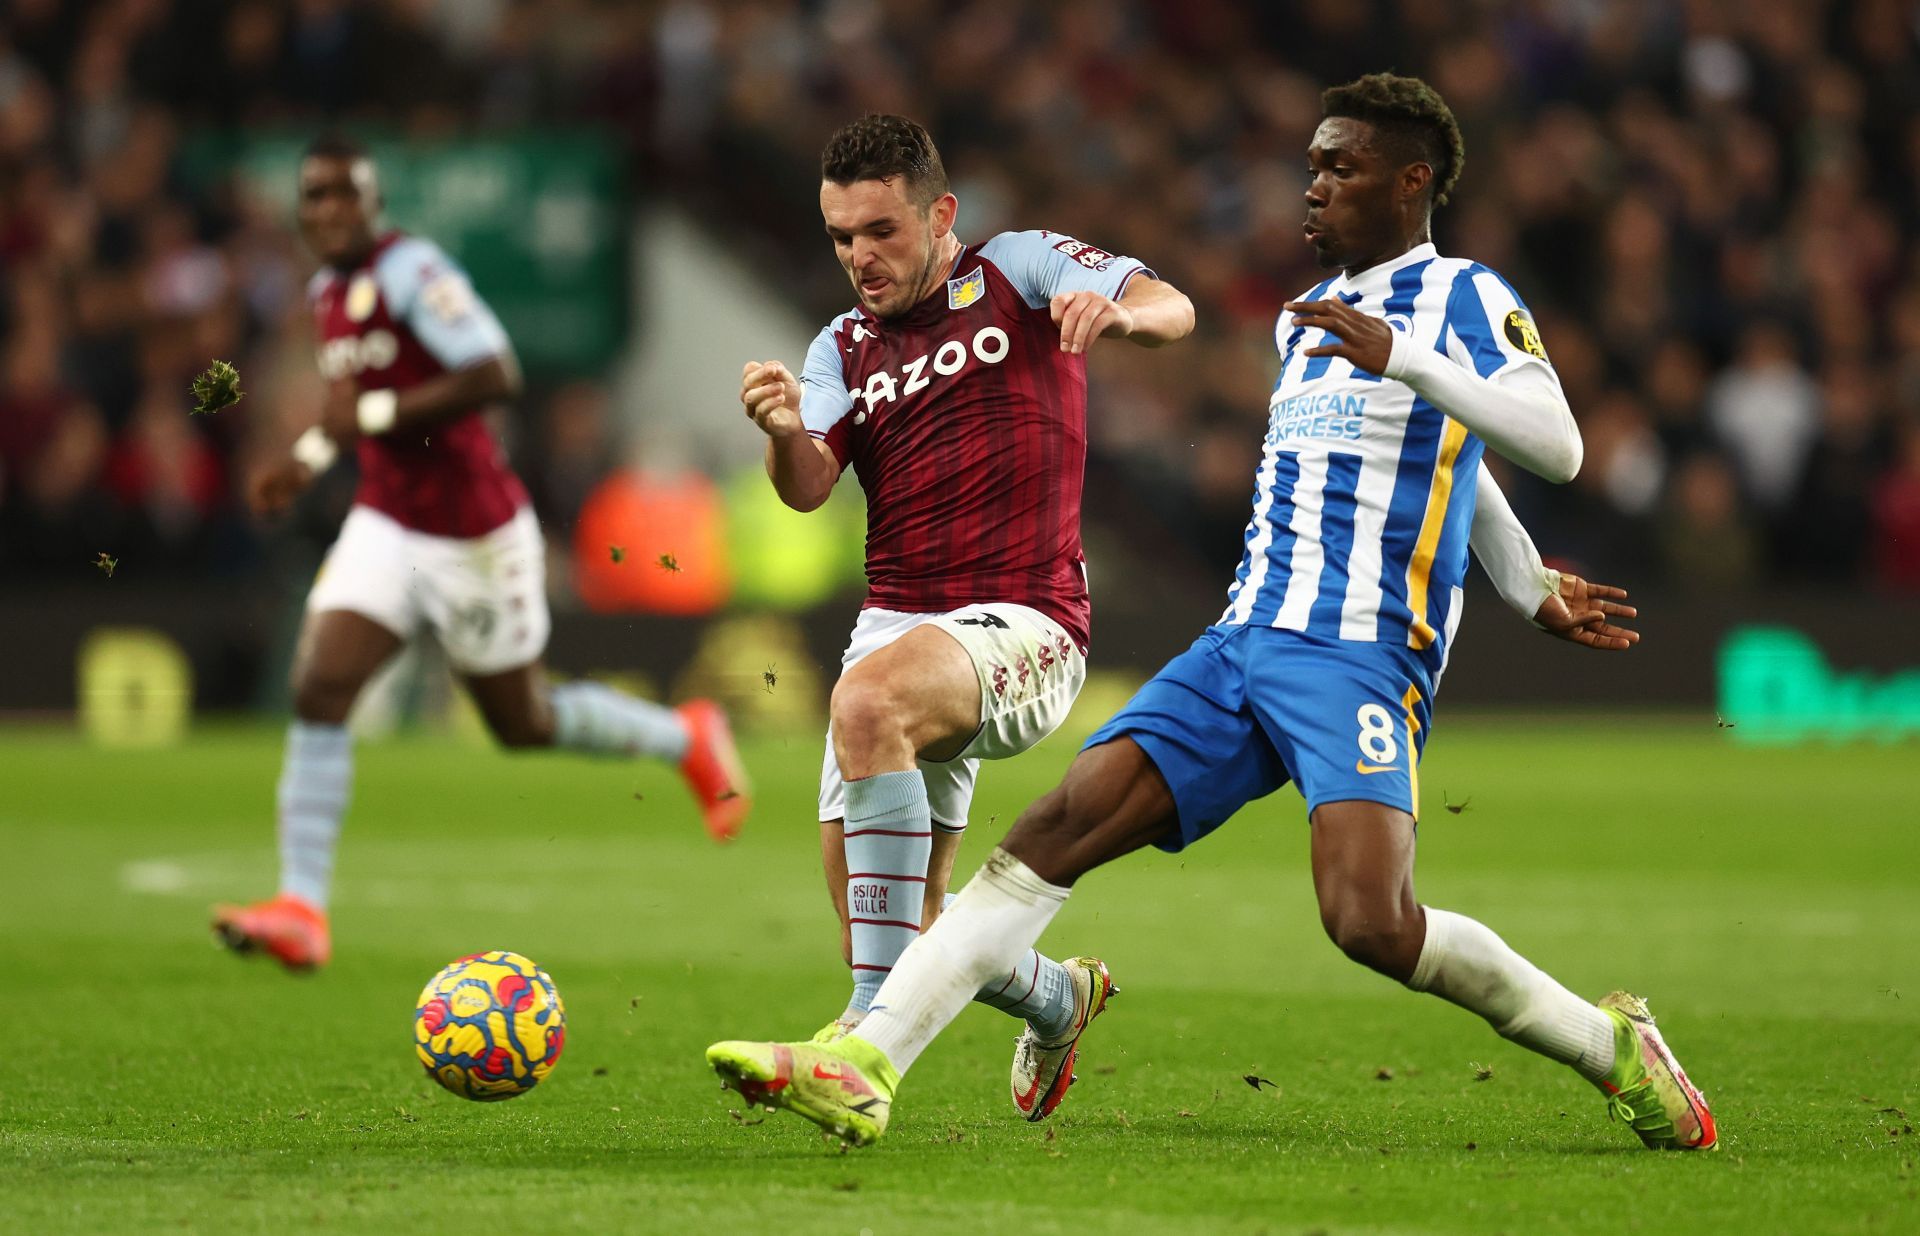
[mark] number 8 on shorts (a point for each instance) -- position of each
(1376, 740)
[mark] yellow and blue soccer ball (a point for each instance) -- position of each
(490, 1026)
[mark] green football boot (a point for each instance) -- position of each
(846, 1086)
(835, 1030)
(1647, 1088)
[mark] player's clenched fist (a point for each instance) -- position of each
(1086, 316)
(771, 395)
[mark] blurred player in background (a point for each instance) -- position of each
(1394, 374)
(957, 389)
(441, 536)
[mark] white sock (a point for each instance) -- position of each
(1466, 963)
(590, 717)
(996, 918)
(1038, 990)
(316, 777)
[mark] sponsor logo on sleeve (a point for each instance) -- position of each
(448, 296)
(1084, 253)
(966, 289)
(1523, 334)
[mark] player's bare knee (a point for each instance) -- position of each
(1051, 835)
(1378, 934)
(866, 716)
(322, 697)
(1044, 820)
(523, 734)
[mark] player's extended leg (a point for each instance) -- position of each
(916, 697)
(1056, 1000)
(524, 710)
(917, 694)
(339, 651)
(1363, 876)
(1112, 802)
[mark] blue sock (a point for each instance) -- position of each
(590, 717)
(1038, 989)
(889, 840)
(315, 781)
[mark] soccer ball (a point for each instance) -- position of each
(490, 1026)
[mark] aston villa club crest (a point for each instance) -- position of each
(362, 295)
(966, 289)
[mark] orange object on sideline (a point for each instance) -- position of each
(652, 543)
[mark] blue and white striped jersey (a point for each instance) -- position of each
(1365, 494)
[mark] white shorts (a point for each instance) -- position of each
(1030, 674)
(485, 598)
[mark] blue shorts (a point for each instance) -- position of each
(1247, 709)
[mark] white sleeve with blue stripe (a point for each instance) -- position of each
(428, 291)
(1488, 327)
(1042, 265)
(1494, 377)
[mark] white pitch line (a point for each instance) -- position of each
(159, 876)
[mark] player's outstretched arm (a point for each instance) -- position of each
(1151, 313)
(803, 468)
(1562, 605)
(1521, 413)
(1506, 552)
(349, 412)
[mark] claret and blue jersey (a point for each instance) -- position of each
(404, 315)
(1338, 623)
(967, 426)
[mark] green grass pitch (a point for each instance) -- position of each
(1767, 902)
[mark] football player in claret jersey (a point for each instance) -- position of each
(440, 537)
(1395, 373)
(956, 389)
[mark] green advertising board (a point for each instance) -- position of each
(1776, 687)
(539, 221)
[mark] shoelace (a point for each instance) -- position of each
(1619, 1107)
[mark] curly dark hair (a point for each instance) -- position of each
(879, 147)
(1410, 119)
(335, 146)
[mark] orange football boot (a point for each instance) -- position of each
(713, 769)
(287, 928)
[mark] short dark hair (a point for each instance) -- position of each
(335, 146)
(1413, 123)
(880, 147)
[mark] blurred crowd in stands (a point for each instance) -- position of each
(1713, 208)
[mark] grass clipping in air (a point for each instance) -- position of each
(217, 388)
